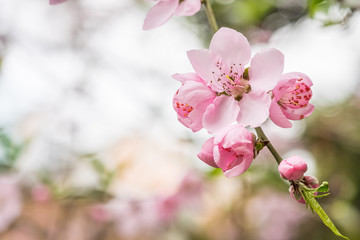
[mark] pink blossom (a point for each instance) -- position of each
(192, 100)
(190, 189)
(273, 216)
(291, 99)
(165, 9)
(54, 2)
(10, 201)
(292, 168)
(242, 95)
(232, 150)
(310, 182)
(41, 193)
(99, 212)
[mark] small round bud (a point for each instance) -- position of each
(292, 168)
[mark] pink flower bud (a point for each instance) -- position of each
(310, 182)
(292, 168)
(232, 150)
(291, 99)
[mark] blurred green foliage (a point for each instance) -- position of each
(11, 151)
(258, 19)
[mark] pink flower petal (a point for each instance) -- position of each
(240, 168)
(297, 75)
(188, 8)
(282, 87)
(54, 2)
(266, 68)
(187, 77)
(219, 137)
(299, 113)
(191, 101)
(237, 135)
(277, 115)
(160, 13)
(206, 153)
(221, 112)
(223, 158)
(204, 63)
(254, 108)
(232, 46)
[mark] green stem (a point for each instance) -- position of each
(210, 15)
(271, 148)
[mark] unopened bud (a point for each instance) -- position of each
(292, 168)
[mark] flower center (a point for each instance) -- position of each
(297, 96)
(235, 158)
(183, 109)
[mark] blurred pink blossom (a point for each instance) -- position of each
(41, 193)
(274, 216)
(133, 217)
(99, 213)
(291, 99)
(10, 201)
(165, 9)
(54, 2)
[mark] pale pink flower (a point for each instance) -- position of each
(10, 201)
(54, 2)
(190, 189)
(132, 218)
(99, 212)
(291, 99)
(292, 168)
(273, 216)
(41, 193)
(165, 9)
(232, 150)
(310, 182)
(241, 97)
(191, 100)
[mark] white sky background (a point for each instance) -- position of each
(113, 80)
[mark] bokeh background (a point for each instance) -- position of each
(91, 147)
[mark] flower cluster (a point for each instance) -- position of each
(224, 91)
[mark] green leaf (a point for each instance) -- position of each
(98, 166)
(324, 187)
(322, 195)
(214, 172)
(318, 6)
(315, 206)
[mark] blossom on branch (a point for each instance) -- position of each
(232, 150)
(291, 99)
